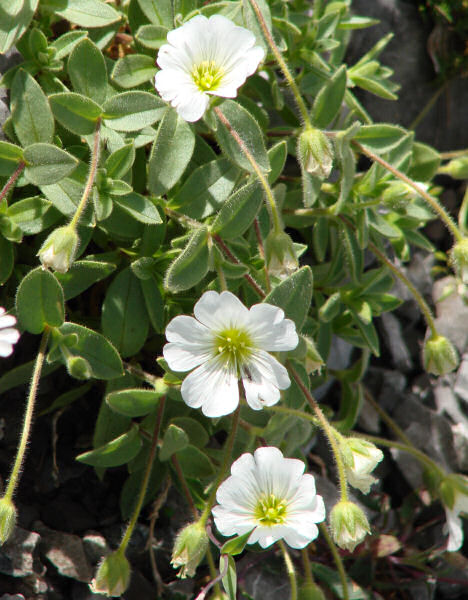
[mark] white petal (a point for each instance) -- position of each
(183, 359)
(9, 335)
(231, 523)
(271, 330)
(5, 348)
(455, 530)
(187, 330)
(221, 311)
(267, 377)
(301, 534)
(212, 388)
(6, 320)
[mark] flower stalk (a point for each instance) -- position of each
(33, 388)
(12, 180)
(290, 569)
(337, 558)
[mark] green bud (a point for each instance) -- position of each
(397, 194)
(113, 575)
(7, 519)
(310, 591)
(349, 525)
(78, 367)
(459, 259)
(315, 152)
(189, 549)
(454, 487)
(456, 168)
(313, 361)
(59, 250)
(439, 355)
(280, 256)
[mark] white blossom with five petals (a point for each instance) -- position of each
(8, 334)
(206, 56)
(271, 496)
(226, 342)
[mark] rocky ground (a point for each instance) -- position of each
(68, 518)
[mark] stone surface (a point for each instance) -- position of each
(95, 547)
(18, 555)
(65, 551)
(396, 342)
(452, 312)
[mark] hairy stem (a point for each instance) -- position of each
(91, 176)
(337, 559)
(185, 487)
(290, 569)
(146, 476)
(327, 429)
(277, 225)
(36, 376)
(282, 64)
(12, 180)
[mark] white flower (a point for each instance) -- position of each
(454, 524)
(360, 458)
(203, 57)
(271, 495)
(227, 342)
(8, 335)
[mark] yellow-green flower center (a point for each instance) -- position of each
(270, 511)
(233, 347)
(207, 75)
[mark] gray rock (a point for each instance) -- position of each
(447, 403)
(65, 551)
(396, 342)
(339, 357)
(269, 581)
(17, 556)
(95, 547)
(461, 383)
(8, 60)
(12, 597)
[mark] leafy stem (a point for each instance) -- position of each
(12, 180)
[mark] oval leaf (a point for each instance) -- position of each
(115, 453)
(47, 164)
(294, 296)
(134, 403)
(191, 265)
(39, 301)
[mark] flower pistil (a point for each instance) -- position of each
(207, 75)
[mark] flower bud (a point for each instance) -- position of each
(280, 256)
(313, 361)
(315, 152)
(189, 549)
(456, 168)
(78, 367)
(439, 355)
(310, 591)
(59, 250)
(348, 524)
(459, 259)
(7, 519)
(113, 575)
(398, 193)
(360, 458)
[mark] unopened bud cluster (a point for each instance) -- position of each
(59, 250)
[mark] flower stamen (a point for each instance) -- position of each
(270, 511)
(234, 348)
(207, 75)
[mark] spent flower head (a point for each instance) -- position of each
(348, 524)
(59, 250)
(360, 458)
(206, 56)
(280, 255)
(270, 496)
(226, 342)
(439, 355)
(454, 494)
(7, 518)
(113, 575)
(8, 334)
(459, 259)
(315, 152)
(189, 549)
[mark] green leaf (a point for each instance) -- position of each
(196, 432)
(158, 12)
(139, 207)
(424, 162)
(330, 98)
(47, 164)
(87, 71)
(88, 13)
(30, 111)
(6, 259)
(154, 304)
(133, 70)
(374, 86)
(175, 439)
(75, 112)
(152, 36)
(134, 403)
(171, 153)
(82, 274)
(124, 317)
(10, 156)
(206, 189)
(294, 295)
(39, 301)
(191, 265)
(15, 18)
(380, 138)
(101, 355)
(66, 399)
(230, 579)
(236, 545)
(194, 463)
(66, 42)
(242, 123)
(239, 211)
(352, 252)
(133, 111)
(33, 215)
(277, 155)
(115, 453)
(251, 20)
(352, 399)
(120, 162)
